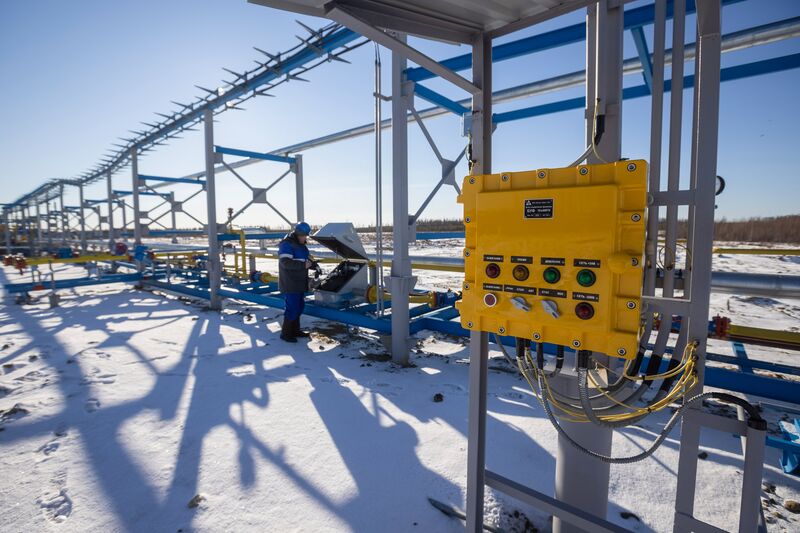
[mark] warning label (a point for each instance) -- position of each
(539, 208)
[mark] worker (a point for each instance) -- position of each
(294, 262)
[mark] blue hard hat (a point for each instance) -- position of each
(302, 228)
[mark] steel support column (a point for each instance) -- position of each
(49, 216)
(214, 267)
(38, 247)
(174, 217)
(82, 219)
(480, 163)
(401, 281)
(705, 132)
(109, 192)
(62, 215)
(582, 481)
(137, 223)
(7, 213)
(298, 183)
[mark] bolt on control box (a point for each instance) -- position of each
(556, 255)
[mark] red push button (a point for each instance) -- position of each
(489, 299)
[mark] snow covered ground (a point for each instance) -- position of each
(126, 410)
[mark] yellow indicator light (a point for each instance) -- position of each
(521, 273)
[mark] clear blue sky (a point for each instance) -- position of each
(77, 75)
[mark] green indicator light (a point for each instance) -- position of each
(551, 275)
(586, 278)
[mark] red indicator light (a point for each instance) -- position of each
(489, 299)
(584, 311)
(492, 270)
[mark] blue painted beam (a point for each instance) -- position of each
(640, 16)
(119, 192)
(145, 177)
(644, 56)
(254, 155)
(775, 389)
(748, 365)
(756, 68)
(783, 444)
(440, 100)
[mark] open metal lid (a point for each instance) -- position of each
(450, 20)
(342, 239)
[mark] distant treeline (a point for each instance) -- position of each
(766, 229)
(761, 229)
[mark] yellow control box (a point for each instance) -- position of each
(556, 255)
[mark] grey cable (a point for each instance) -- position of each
(661, 437)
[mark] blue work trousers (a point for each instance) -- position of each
(295, 302)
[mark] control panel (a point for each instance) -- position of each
(556, 255)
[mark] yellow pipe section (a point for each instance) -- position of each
(427, 298)
(758, 251)
(770, 335)
(81, 259)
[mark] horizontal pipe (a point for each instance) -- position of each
(757, 251)
(12, 288)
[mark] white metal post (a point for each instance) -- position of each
(124, 216)
(49, 216)
(401, 279)
(38, 246)
(379, 284)
(7, 213)
(705, 132)
(214, 266)
(109, 192)
(174, 217)
(298, 183)
(62, 215)
(82, 215)
(582, 481)
(481, 163)
(137, 223)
